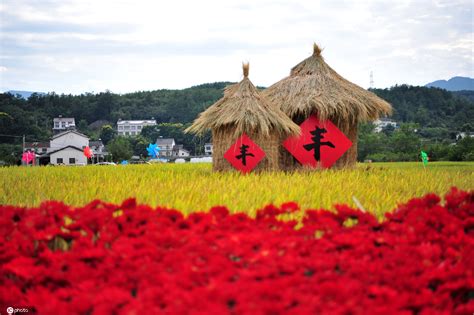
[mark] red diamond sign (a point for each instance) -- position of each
(244, 154)
(321, 143)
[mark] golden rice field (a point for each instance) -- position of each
(193, 187)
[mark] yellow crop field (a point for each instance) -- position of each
(194, 187)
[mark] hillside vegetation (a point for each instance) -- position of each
(434, 116)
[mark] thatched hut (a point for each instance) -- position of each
(243, 109)
(313, 87)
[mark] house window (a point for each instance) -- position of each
(120, 127)
(59, 161)
(43, 150)
(208, 148)
(139, 127)
(56, 125)
(72, 161)
(133, 127)
(126, 127)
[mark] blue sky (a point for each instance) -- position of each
(77, 46)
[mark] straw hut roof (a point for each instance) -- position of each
(244, 109)
(313, 87)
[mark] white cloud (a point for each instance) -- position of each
(83, 45)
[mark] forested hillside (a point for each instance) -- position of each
(429, 107)
(436, 113)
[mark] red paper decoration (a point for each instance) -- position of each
(244, 154)
(320, 144)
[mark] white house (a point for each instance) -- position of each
(208, 148)
(462, 135)
(68, 156)
(132, 127)
(381, 123)
(61, 124)
(166, 146)
(68, 138)
(180, 151)
(98, 149)
(68, 148)
(37, 147)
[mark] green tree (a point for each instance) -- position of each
(107, 133)
(83, 127)
(139, 145)
(120, 148)
(467, 127)
(10, 154)
(438, 151)
(150, 133)
(405, 143)
(463, 150)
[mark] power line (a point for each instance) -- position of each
(12, 136)
(26, 136)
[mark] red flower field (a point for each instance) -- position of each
(132, 259)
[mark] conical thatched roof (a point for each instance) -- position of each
(244, 109)
(313, 87)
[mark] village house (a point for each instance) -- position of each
(61, 124)
(68, 148)
(133, 127)
(208, 149)
(169, 148)
(180, 151)
(166, 146)
(382, 123)
(98, 149)
(462, 135)
(37, 147)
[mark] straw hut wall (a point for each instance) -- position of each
(313, 87)
(243, 109)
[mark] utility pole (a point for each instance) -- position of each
(23, 151)
(371, 79)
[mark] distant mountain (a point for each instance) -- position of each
(24, 94)
(454, 84)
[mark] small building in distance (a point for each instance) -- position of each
(133, 127)
(98, 149)
(382, 123)
(61, 124)
(68, 148)
(69, 155)
(166, 146)
(464, 134)
(169, 148)
(37, 147)
(208, 149)
(180, 151)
